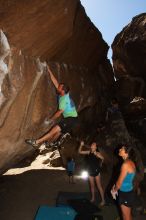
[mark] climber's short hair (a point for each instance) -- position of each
(65, 87)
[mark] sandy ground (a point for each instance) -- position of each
(23, 190)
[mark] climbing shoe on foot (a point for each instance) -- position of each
(32, 142)
(50, 145)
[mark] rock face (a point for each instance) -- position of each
(110, 139)
(53, 30)
(130, 70)
(129, 59)
(60, 33)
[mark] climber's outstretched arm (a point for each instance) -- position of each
(54, 80)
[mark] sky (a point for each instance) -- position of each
(111, 16)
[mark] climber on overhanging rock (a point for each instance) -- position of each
(66, 109)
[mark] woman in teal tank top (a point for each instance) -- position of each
(124, 185)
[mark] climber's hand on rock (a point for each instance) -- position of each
(49, 121)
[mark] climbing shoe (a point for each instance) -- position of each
(64, 137)
(32, 142)
(50, 145)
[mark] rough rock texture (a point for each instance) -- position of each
(129, 49)
(53, 30)
(60, 33)
(110, 139)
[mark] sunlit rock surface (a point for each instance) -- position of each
(62, 36)
(53, 30)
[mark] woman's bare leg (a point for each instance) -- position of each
(99, 186)
(92, 188)
(126, 212)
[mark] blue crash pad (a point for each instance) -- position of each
(55, 213)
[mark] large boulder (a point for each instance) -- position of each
(129, 60)
(63, 37)
(129, 66)
(53, 30)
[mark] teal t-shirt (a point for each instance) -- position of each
(67, 104)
